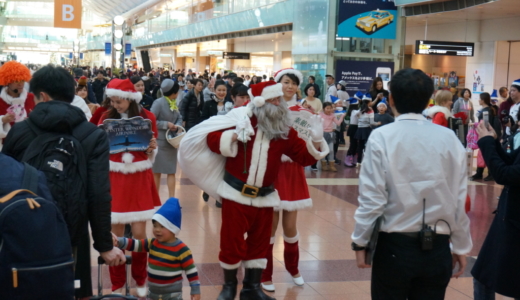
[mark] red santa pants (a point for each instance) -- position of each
(139, 272)
(238, 219)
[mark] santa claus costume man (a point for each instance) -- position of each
(15, 101)
(132, 186)
(237, 157)
(294, 195)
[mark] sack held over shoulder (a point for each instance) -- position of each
(61, 158)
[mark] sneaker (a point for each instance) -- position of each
(268, 287)
(141, 291)
(314, 168)
(298, 280)
(358, 165)
(205, 197)
(349, 161)
(489, 178)
(475, 177)
(119, 291)
(218, 204)
(337, 161)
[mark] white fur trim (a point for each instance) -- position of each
(224, 190)
(260, 263)
(286, 158)
(262, 162)
(152, 155)
(259, 101)
(258, 160)
(249, 110)
(314, 152)
(129, 168)
(227, 147)
(133, 216)
(4, 129)
(166, 223)
(437, 109)
(10, 100)
(292, 240)
(127, 158)
(125, 95)
(297, 73)
(272, 240)
(294, 205)
(230, 267)
(272, 91)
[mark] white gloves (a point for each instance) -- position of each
(316, 129)
(244, 130)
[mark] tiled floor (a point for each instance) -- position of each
(326, 261)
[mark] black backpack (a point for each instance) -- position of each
(61, 158)
(35, 250)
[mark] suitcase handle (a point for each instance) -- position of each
(14, 193)
(101, 261)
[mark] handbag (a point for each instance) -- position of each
(480, 160)
(472, 138)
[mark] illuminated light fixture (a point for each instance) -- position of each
(118, 33)
(118, 20)
(118, 47)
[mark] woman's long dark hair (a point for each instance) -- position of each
(486, 98)
(365, 107)
(374, 83)
(133, 110)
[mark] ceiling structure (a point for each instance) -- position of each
(109, 9)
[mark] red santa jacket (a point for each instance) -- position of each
(261, 160)
(133, 161)
(4, 106)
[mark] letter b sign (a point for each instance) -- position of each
(67, 13)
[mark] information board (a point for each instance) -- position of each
(444, 48)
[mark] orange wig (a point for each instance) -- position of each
(13, 71)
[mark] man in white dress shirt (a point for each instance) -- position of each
(405, 162)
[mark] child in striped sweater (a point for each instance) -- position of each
(168, 256)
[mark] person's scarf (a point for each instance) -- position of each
(172, 103)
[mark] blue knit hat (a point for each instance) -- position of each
(353, 100)
(170, 215)
(367, 96)
(494, 95)
(359, 95)
(334, 99)
(516, 83)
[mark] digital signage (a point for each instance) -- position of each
(444, 48)
(367, 19)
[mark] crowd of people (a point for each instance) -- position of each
(240, 147)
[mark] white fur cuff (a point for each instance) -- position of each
(315, 152)
(291, 240)
(294, 205)
(152, 155)
(133, 216)
(260, 263)
(228, 148)
(132, 167)
(4, 129)
(230, 267)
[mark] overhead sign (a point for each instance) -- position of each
(367, 19)
(444, 48)
(108, 48)
(236, 55)
(81, 56)
(67, 13)
(128, 49)
(360, 74)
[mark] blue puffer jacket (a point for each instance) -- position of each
(11, 178)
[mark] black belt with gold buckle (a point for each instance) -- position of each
(245, 189)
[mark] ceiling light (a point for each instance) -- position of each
(118, 47)
(118, 33)
(118, 20)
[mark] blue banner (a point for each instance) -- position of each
(367, 19)
(128, 49)
(108, 48)
(71, 55)
(81, 56)
(360, 74)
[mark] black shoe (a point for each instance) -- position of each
(205, 197)
(337, 161)
(218, 204)
(475, 177)
(314, 168)
(252, 289)
(229, 289)
(489, 178)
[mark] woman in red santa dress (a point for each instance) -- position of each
(134, 196)
(294, 195)
(15, 101)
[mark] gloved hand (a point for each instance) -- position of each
(316, 129)
(244, 130)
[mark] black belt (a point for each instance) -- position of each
(247, 190)
(415, 235)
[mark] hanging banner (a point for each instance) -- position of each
(108, 48)
(367, 19)
(67, 13)
(71, 55)
(81, 56)
(128, 49)
(360, 74)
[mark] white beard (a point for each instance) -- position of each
(273, 120)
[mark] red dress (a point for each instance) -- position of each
(132, 185)
(28, 104)
(291, 185)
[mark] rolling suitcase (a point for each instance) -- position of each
(127, 295)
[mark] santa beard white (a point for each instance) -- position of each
(273, 120)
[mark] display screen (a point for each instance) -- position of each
(444, 48)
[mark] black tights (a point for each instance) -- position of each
(352, 148)
(360, 149)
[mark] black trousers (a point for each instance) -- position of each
(360, 150)
(352, 148)
(401, 270)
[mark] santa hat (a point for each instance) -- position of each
(13, 71)
(82, 81)
(367, 96)
(264, 90)
(516, 83)
(353, 101)
(170, 215)
(359, 95)
(278, 75)
(123, 88)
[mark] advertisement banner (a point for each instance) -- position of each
(108, 48)
(367, 19)
(67, 13)
(360, 74)
(128, 49)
